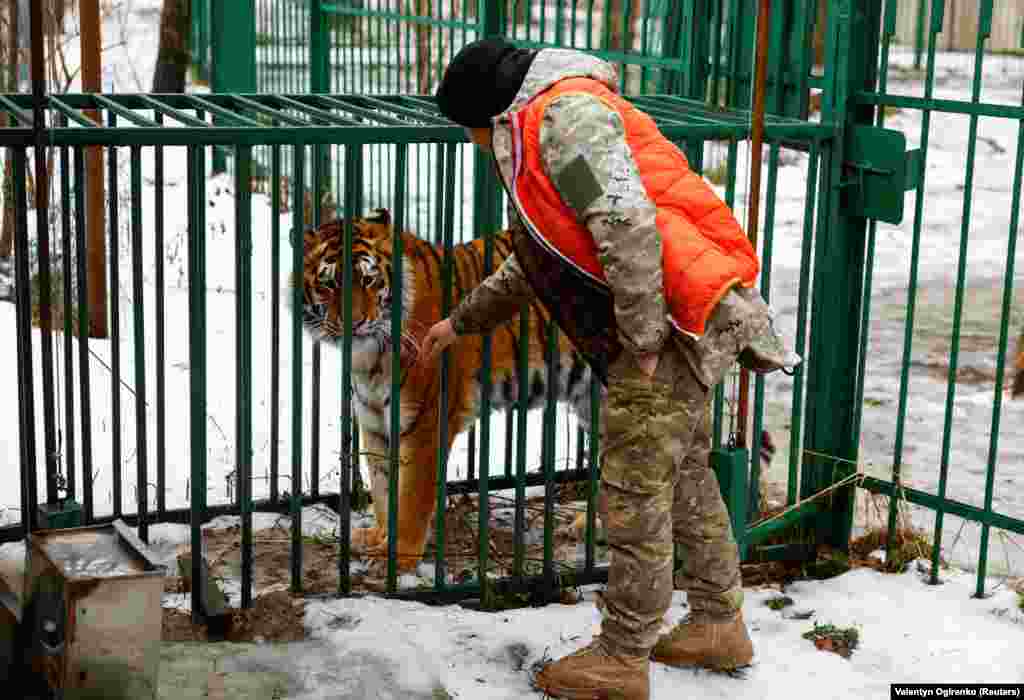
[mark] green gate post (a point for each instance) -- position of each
(486, 188)
(318, 49)
(201, 24)
(319, 83)
(233, 64)
(830, 439)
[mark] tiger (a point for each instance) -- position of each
(373, 345)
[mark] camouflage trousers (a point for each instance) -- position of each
(658, 490)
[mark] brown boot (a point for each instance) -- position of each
(595, 672)
(721, 646)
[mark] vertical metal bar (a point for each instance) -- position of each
(318, 166)
(394, 448)
(796, 420)
(197, 361)
(447, 173)
(919, 33)
(138, 315)
(275, 320)
(730, 199)
(81, 270)
(754, 195)
(23, 313)
(548, 450)
(483, 531)
(69, 364)
(754, 508)
(42, 206)
(522, 403)
(889, 30)
(161, 373)
(243, 342)
(116, 462)
(509, 432)
(716, 51)
(997, 404)
(593, 477)
(915, 252)
(984, 31)
(298, 196)
(349, 448)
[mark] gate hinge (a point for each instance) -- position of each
(877, 170)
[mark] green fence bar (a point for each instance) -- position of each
(115, 325)
(275, 321)
(984, 31)
(138, 315)
(161, 345)
(997, 402)
(295, 488)
(938, 8)
(67, 256)
(349, 462)
(803, 292)
(233, 54)
(197, 361)
(26, 384)
(888, 32)
(522, 403)
(243, 352)
(83, 336)
(446, 169)
(394, 447)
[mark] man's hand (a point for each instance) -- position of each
(440, 336)
(648, 364)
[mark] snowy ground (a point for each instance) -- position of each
(908, 631)
(128, 69)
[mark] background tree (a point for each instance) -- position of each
(173, 57)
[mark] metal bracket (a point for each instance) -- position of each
(878, 169)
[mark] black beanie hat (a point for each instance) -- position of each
(482, 81)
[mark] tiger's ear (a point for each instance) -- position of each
(380, 216)
(309, 238)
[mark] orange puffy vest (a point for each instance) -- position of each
(704, 249)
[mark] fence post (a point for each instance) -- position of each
(319, 82)
(486, 189)
(233, 64)
(202, 24)
(831, 445)
(318, 49)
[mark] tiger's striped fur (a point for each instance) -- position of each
(372, 345)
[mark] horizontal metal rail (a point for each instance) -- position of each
(336, 119)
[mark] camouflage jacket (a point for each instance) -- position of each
(621, 217)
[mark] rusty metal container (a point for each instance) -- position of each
(10, 620)
(92, 617)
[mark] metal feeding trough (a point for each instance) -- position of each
(92, 619)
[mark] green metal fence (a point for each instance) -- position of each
(821, 266)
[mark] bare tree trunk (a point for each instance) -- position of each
(96, 277)
(8, 80)
(621, 36)
(173, 58)
(820, 27)
(423, 46)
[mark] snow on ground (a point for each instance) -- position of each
(129, 65)
(908, 632)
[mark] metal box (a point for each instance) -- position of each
(92, 618)
(10, 620)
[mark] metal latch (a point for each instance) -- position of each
(878, 169)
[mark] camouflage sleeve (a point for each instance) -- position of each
(584, 149)
(494, 301)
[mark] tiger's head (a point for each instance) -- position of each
(323, 287)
